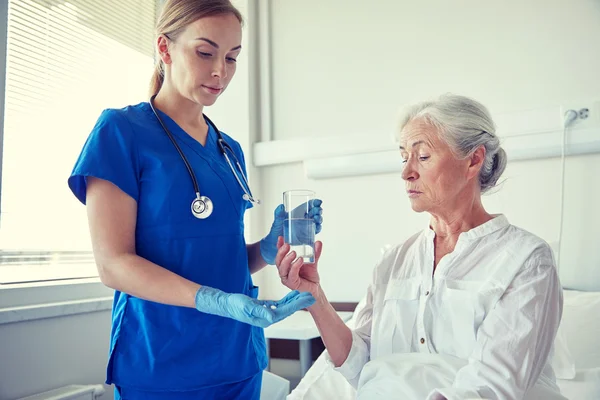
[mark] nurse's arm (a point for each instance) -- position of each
(112, 218)
(255, 260)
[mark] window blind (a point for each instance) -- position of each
(66, 61)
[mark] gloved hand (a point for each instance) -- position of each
(268, 245)
(248, 310)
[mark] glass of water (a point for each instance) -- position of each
(299, 227)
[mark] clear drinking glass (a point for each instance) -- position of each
(299, 227)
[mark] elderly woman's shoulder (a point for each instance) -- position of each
(519, 238)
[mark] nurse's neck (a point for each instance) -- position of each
(187, 114)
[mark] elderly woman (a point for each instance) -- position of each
(466, 308)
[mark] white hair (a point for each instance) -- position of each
(464, 124)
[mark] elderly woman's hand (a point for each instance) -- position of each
(294, 272)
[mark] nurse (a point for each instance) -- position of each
(186, 322)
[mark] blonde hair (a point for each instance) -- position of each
(175, 16)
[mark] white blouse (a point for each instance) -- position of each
(495, 301)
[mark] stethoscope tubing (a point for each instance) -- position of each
(203, 203)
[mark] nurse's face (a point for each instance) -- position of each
(201, 60)
(435, 178)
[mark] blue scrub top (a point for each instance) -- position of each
(157, 347)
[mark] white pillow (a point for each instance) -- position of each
(581, 327)
(562, 360)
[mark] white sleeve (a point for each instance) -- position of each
(515, 339)
(361, 343)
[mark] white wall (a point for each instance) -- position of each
(39, 355)
(347, 66)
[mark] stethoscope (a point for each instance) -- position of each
(202, 206)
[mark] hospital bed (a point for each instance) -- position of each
(576, 361)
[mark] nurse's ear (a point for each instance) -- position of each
(162, 45)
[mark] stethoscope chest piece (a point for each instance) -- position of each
(202, 207)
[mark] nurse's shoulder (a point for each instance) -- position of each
(128, 118)
(110, 152)
(237, 148)
(235, 145)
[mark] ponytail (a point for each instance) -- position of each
(157, 79)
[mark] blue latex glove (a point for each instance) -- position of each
(248, 310)
(268, 245)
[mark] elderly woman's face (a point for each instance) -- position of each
(434, 177)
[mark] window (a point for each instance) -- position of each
(66, 61)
